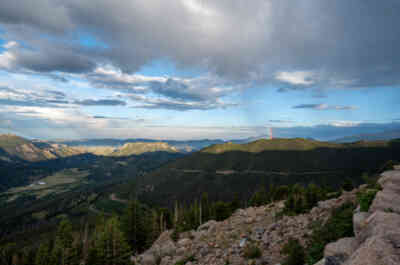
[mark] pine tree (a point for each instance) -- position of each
(110, 246)
(43, 255)
(63, 252)
(7, 253)
(135, 224)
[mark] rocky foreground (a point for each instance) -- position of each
(377, 232)
(377, 240)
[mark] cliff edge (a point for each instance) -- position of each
(377, 232)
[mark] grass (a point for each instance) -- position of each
(58, 182)
(252, 252)
(108, 206)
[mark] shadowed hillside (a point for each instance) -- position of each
(223, 170)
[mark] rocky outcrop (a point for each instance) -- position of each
(377, 232)
(225, 242)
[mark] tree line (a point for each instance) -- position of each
(112, 240)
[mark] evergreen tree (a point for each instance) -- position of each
(294, 251)
(347, 185)
(206, 209)
(7, 253)
(43, 255)
(63, 252)
(259, 198)
(135, 224)
(110, 246)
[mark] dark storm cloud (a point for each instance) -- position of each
(52, 59)
(100, 102)
(343, 43)
(44, 14)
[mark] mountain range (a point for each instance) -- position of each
(386, 135)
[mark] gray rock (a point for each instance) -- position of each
(166, 260)
(359, 221)
(376, 250)
(387, 200)
(184, 242)
(148, 259)
(343, 248)
(207, 226)
(334, 260)
(380, 224)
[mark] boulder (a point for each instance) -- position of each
(148, 259)
(334, 260)
(387, 200)
(380, 224)
(359, 221)
(207, 226)
(184, 242)
(342, 249)
(376, 250)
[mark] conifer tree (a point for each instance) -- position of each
(6, 254)
(110, 246)
(135, 224)
(43, 255)
(63, 252)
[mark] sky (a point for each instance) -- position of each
(194, 69)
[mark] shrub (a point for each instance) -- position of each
(365, 199)
(252, 252)
(339, 225)
(294, 251)
(347, 185)
(185, 260)
(175, 235)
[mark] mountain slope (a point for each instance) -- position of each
(17, 148)
(223, 170)
(267, 145)
(140, 148)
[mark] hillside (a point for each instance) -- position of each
(339, 231)
(280, 144)
(223, 170)
(140, 148)
(13, 148)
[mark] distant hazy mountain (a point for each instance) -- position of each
(386, 135)
(138, 148)
(182, 146)
(14, 148)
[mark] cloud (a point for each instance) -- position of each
(323, 107)
(30, 97)
(276, 42)
(100, 102)
(157, 92)
(44, 58)
(280, 121)
(296, 78)
(178, 105)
